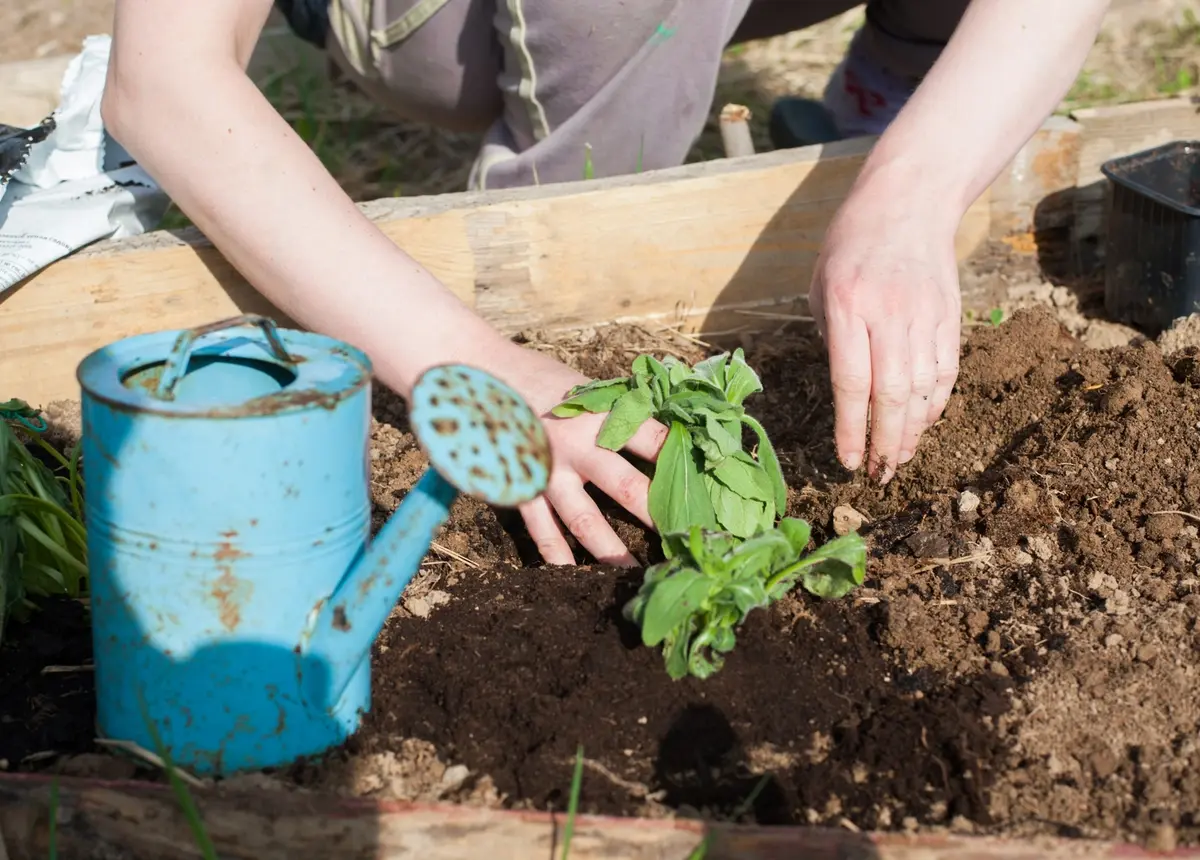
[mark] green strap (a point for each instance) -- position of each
(400, 29)
(20, 412)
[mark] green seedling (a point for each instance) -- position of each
(703, 476)
(692, 603)
(43, 543)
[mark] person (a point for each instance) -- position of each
(955, 86)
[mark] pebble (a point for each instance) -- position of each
(454, 776)
(846, 520)
(967, 502)
(1112, 640)
(1163, 839)
(1040, 547)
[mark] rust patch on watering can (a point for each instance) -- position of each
(226, 551)
(272, 404)
(230, 593)
(340, 621)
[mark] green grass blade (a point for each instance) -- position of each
(701, 850)
(182, 796)
(573, 803)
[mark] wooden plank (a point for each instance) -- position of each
(1108, 132)
(1044, 172)
(142, 821)
(679, 246)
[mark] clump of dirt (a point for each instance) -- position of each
(1021, 660)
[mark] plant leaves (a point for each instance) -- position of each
(630, 412)
(592, 397)
(838, 567)
(736, 515)
(678, 499)
(713, 369)
(727, 441)
(672, 602)
(745, 477)
(797, 531)
(740, 379)
(769, 461)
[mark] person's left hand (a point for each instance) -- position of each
(885, 295)
(578, 461)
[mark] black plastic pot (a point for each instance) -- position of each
(1152, 248)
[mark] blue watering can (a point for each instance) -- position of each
(235, 592)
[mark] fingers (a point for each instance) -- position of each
(543, 529)
(584, 519)
(850, 374)
(647, 442)
(923, 370)
(621, 481)
(948, 336)
(891, 388)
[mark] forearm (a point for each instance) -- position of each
(254, 188)
(1007, 67)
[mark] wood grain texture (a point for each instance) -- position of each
(142, 821)
(684, 246)
(1044, 171)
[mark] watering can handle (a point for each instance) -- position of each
(177, 362)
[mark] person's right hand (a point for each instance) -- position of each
(578, 461)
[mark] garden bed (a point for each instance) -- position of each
(1021, 660)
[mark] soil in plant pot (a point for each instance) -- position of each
(1022, 659)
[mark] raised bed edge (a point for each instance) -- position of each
(142, 821)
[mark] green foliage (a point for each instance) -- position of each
(43, 544)
(703, 476)
(692, 603)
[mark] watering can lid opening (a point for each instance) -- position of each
(319, 372)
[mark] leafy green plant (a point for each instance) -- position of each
(43, 543)
(703, 476)
(692, 603)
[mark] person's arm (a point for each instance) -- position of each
(1005, 69)
(885, 291)
(179, 100)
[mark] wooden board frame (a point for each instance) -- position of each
(143, 821)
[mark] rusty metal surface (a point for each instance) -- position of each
(480, 435)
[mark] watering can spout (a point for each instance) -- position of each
(481, 439)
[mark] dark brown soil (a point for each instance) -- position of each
(1024, 667)
(46, 690)
(1022, 659)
